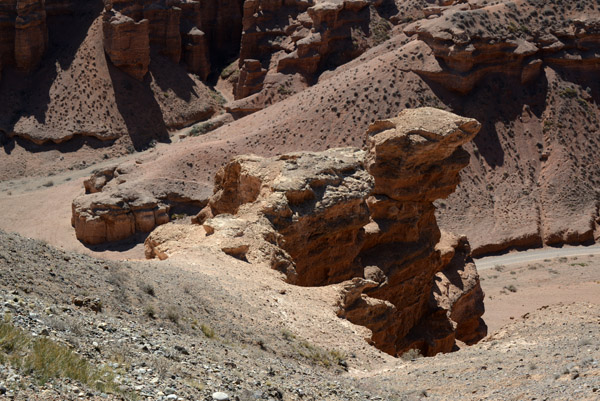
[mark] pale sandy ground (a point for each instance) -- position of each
(537, 284)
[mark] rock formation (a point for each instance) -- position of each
(304, 37)
(315, 201)
(415, 159)
(23, 33)
(471, 42)
(368, 217)
(115, 208)
(192, 30)
(127, 43)
(196, 52)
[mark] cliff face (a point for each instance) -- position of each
(368, 217)
(197, 32)
(296, 40)
(473, 41)
(23, 33)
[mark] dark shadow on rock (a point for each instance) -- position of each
(139, 109)
(71, 145)
(388, 9)
(119, 246)
(169, 75)
(496, 98)
(587, 80)
(6, 142)
(22, 94)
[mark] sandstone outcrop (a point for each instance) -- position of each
(31, 34)
(196, 52)
(23, 33)
(314, 201)
(196, 32)
(127, 43)
(115, 208)
(415, 159)
(305, 37)
(472, 42)
(364, 216)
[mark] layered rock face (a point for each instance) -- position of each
(314, 201)
(368, 217)
(23, 33)
(471, 41)
(115, 208)
(194, 31)
(304, 37)
(127, 43)
(415, 159)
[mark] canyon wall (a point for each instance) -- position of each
(198, 32)
(23, 33)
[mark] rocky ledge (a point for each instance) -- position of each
(115, 207)
(363, 220)
(475, 39)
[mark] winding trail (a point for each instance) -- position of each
(535, 255)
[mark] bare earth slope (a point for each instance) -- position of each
(271, 339)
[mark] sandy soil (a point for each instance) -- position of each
(515, 290)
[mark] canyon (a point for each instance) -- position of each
(326, 166)
(365, 216)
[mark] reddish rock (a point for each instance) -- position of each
(251, 78)
(415, 159)
(315, 201)
(23, 33)
(301, 37)
(196, 53)
(116, 207)
(164, 29)
(127, 43)
(468, 48)
(345, 214)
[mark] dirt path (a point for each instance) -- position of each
(535, 255)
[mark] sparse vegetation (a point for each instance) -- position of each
(200, 129)
(207, 331)
(173, 315)
(319, 356)
(411, 354)
(148, 289)
(150, 312)
(46, 360)
(217, 97)
(568, 93)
